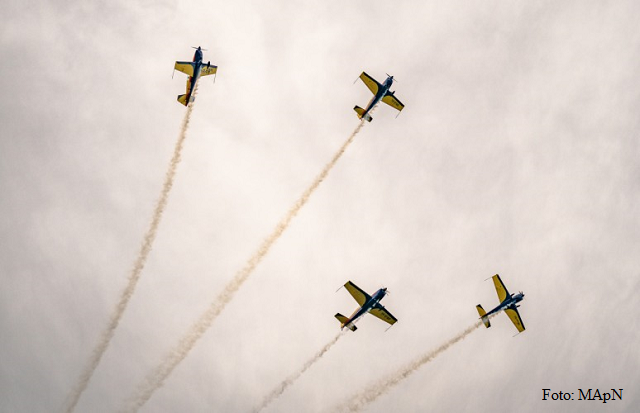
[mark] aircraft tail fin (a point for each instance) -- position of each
(183, 99)
(483, 315)
(343, 320)
(361, 113)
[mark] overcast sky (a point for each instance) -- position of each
(517, 153)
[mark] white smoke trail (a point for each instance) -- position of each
(291, 379)
(157, 377)
(134, 276)
(372, 392)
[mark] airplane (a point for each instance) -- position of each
(381, 93)
(194, 70)
(368, 304)
(508, 303)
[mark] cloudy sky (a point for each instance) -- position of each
(517, 153)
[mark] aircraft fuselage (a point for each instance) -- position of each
(367, 306)
(198, 64)
(382, 92)
(197, 59)
(509, 302)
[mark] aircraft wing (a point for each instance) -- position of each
(371, 83)
(392, 101)
(384, 315)
(360, 296)
(502, 291)
(185, 67)
(208, 70)
(514, 315)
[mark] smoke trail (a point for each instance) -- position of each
(157, 377)
(291, 379)
(375, 390)
(134, 276)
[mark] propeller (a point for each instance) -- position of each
(204, 50)
(388, 75)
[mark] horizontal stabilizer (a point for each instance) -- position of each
(361, 113)
(343, 320)
(483, 314)
(183, 99)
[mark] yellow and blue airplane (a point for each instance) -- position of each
(381, 93)
(194, 70)
(508, 303)
(368, 304)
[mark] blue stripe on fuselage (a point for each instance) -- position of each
(197, 60)
(369, 305)
(510, 301)
(197, 57)
(382, 91)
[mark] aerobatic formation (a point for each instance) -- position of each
(370, 304)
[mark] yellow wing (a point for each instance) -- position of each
(370, 82)
(383, 315)
(392, 101)
(208, 70)
(184, 67)
(360, 296)
(515, 318)
(500, 288)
